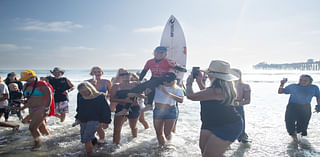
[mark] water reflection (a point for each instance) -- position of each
(241, 150)
(302, 148)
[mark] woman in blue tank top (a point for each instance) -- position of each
(104, 86)
(221, 123)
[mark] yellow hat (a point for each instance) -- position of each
(25, 75)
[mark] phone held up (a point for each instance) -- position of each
(195, 71)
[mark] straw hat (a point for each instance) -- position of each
(221, 70)
(25, 75)
(57, 69)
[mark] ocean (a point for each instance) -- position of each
(264, 124)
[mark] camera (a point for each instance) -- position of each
(195, 71)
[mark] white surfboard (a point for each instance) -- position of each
(173, 38)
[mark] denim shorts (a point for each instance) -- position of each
(228, 132)
(134, 111)
(87, 130)
(168, 113)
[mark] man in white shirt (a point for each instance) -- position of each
(4, 96)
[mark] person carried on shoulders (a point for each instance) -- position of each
(159, 66)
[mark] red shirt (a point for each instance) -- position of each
(158, 69)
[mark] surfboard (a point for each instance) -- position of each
(173, 38)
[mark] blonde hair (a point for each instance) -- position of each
(88, 86)
(227, 88)
(0, 79)
(94, 68)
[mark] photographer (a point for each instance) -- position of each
(298, 112)
(221, 123)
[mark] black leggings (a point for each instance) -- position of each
(297, 118)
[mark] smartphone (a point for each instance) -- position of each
(195, 71)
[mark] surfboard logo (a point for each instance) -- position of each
(172, 27)
(185, 50)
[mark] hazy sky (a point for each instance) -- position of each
(78, 34)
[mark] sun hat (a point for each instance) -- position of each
(25, 75)
(221, 70)
(170, 76)
(160, 49)
(235, 72)
(12, 74)
(57, 69)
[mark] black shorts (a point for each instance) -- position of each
(134, 111)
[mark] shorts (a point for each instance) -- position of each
(61, 107)
(134, 111)
(88, 130)
(168, 113)
(228, 132)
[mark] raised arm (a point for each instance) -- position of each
(282, 82)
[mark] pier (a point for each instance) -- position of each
(310, 65)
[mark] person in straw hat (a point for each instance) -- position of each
(62, 86)
(221, 123)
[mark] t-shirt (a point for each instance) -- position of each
(59, 85)
(158, 69)
(95, 109)
(301, 94)
(3, 90)
(162, 98)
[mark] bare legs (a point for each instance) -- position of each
(143, 121)
(212, 146)
(118, 122)
(37, 120)
(163, 126)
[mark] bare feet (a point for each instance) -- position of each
(37, 144)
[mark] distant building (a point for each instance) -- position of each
(309, 65)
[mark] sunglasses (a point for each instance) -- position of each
(124, 74)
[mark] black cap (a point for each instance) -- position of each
(170, 76)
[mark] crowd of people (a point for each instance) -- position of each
(129, 95)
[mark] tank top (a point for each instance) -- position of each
(214, 113)
(104, 87)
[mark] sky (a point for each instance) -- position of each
(79, 34)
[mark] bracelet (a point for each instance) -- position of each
(281, 87)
